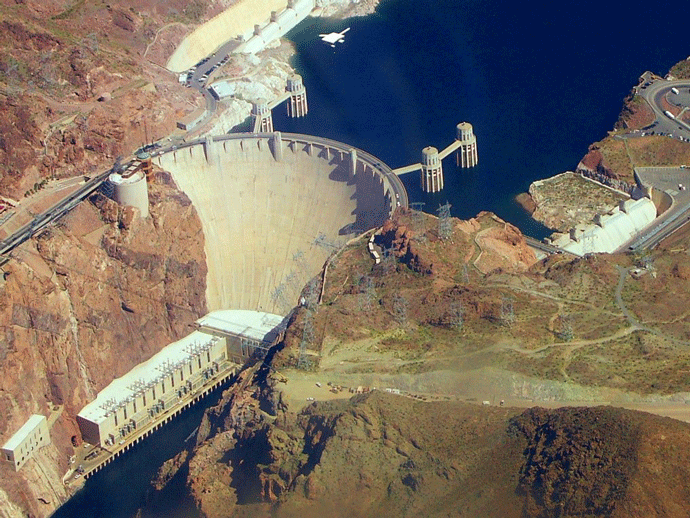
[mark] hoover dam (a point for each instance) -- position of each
(273, 208)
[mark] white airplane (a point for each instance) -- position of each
(334, 37)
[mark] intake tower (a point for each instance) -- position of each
(467, 152)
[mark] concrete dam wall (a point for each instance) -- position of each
(273, 208)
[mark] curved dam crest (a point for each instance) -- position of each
(273, 208)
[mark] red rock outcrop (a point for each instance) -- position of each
(397, 239)
(385, 455)
(82, 304)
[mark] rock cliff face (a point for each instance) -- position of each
(384, 455)
(82, 304)
(593, 166)
(501, 244)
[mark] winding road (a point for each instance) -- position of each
(654, 93)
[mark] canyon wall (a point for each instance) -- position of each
(81, 304)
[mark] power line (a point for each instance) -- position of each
(309, 301)
(445, 228)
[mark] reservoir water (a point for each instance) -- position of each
(539, 81)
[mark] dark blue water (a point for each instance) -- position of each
(539, 81)
(123, 487)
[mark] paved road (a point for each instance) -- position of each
(52, 214)
(666, 179)
(654, 92)
(198, 76)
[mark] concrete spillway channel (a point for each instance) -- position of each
(274, 207)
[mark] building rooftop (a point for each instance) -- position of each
(124, 388)
(21, 434)
(222, 89)
(119, 179)
(256, 325)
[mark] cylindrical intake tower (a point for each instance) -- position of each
(297, 107)
(261, 111)
(432, 170)
(131, 191)
(467, 152)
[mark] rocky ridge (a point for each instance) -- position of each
(403, 457)
(82, 304)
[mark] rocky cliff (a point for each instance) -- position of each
(384, 455)
(81, 304)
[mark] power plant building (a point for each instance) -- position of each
(30, 437)
(180, 373)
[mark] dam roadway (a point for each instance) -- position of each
(398, 194)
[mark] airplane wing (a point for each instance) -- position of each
(334, 37)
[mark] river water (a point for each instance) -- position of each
(539, 81)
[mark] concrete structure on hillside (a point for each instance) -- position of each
(33, 435)
(609, 231)
(182, 372)
(130, 190)
(431, 177)
(256, 23)
(274, 206)
(192, 120)
(467, 152)
(279, 23)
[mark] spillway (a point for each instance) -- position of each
(273, 208)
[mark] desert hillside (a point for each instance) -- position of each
(380, 454)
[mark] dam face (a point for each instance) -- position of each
(273, 208)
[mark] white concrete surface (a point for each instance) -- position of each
(262, 218)
(609, 231)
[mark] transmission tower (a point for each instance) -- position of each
(457, 313)
(387, 261)
(323, 241)
(507, 311)
(418, 218)
(445, 227)
(465, 274)
(367, 293)
(299, 259)
(400, 306)
(308, 301)
(278, 295)
(566, 331)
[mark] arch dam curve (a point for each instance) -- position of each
(274, 206)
